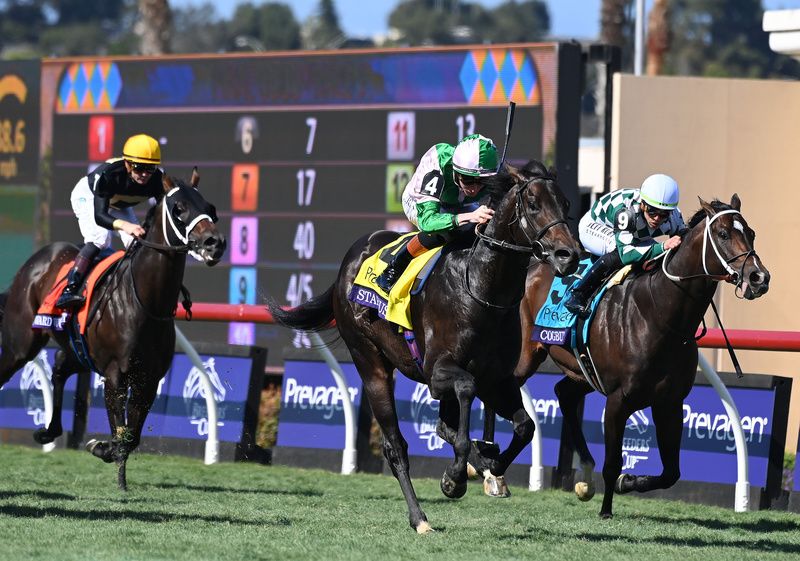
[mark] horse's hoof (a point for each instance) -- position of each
(625, 483)
(495, 486)
(451, 489)
(472, 473)
(43, 437)
(424, 528)
(606, 516)
(584, 490)
(99, 449)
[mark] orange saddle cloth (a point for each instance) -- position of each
(48, 316)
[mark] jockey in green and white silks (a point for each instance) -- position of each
(621, 227)
(444, 198)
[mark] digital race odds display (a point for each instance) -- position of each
(301, 154)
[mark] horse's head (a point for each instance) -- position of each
(536, 212)
(728, 247)
(188, 219)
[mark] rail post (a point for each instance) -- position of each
(212, 442)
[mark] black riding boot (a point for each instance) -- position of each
(581, 290)
(72, 297)
(393, 271)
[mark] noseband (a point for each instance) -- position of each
(177, 236)
(734, 277)
(536, 248)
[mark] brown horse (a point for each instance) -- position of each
(466, 323)
(649, 358)
(130, 330)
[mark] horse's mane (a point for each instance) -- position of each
(498, 185)
(716, 204)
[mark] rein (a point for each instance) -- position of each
(733, 277)
(536, 248)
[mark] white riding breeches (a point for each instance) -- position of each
(596, 237)
(82, 200)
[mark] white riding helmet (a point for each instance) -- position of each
(660, 191)
(475, 156)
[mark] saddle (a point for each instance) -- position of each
(48, 316)
(555, 325)
(395, 306)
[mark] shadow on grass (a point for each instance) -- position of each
(220, 489)
(724, 542)
(115, 515)
(45, 495)
(759, 526)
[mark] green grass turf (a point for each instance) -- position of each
(65, 505)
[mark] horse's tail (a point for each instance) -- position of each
(314, 315)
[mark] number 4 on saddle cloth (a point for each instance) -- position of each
(556, 325)
(395, 306)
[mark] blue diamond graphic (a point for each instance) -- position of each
(113, 85)
(527, 77)
(65, 89)
(488, 75)
(80, 85)
(468, 76)
(96, 84)
(508, 74)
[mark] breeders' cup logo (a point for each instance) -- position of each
(194, 388)
(425, 414)
(636, 446)
(30, 386)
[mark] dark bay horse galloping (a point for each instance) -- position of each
(649, 357)
(466, 323)
(131, 330)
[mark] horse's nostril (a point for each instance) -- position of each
(757, 277)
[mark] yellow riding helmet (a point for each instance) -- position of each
(142, 149)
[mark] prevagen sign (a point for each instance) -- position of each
(22, 402)
(708, 451)
(312, 414)
(418, 414)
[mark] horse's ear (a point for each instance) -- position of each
(168, 184)
(707, 207)
(736, 203)
(514, 172)
(195, 177)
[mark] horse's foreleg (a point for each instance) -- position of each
(570, 393)
(64, 367)
(378, 388)
(447, 378)
(668, 418)
(507, 401)
(614, 424)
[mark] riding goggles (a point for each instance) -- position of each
(142, 168)
(656, 212)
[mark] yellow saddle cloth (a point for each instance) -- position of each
(396, 308)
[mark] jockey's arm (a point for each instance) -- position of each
(102, 216)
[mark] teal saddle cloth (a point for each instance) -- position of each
(555, 324)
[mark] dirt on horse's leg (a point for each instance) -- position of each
(570, 392)
(668, 418)
(614, 424)
(379, 390)
(450, 378)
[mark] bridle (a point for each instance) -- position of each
(734, 277)
(177, 242)
(176, 235)
(536, 248)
